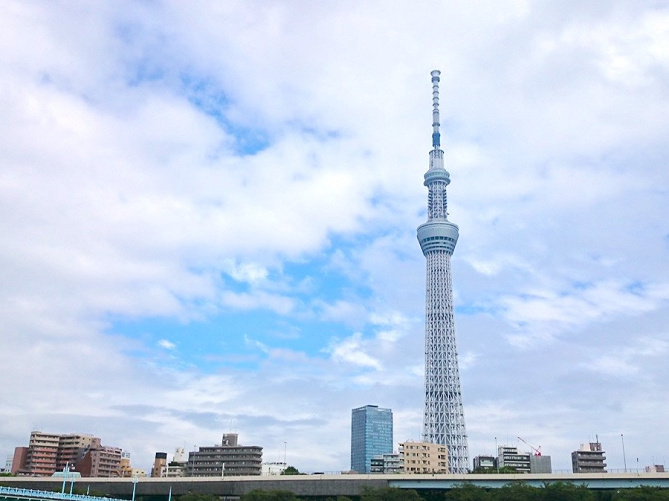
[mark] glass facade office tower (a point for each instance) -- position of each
(371, 435)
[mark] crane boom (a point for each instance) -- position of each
(537, 450)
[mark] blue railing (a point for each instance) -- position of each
(14, 492)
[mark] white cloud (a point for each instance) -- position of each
(168, 345)
(352, 350)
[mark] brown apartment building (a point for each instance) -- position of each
(49, 452)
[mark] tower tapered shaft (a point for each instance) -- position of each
(443, 418)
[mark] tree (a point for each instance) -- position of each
(517, 491)
(643, 493)
(467, 492)
(275, 495)
(493, 471)
(389, 494)
(291, 470)
(559, 491)
(193, 496)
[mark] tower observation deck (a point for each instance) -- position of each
(443, 418)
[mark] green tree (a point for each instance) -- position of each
(643, 493)
(276, 495)
(389, 494)
(467, 492)
(194, 496)
(516, 491)
(291, 470)
(560, 491)
(494, 471)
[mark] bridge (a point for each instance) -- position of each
(317, 485)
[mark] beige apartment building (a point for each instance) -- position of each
(71, 449)
(423, 457)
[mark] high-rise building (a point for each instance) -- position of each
(443, 418)
(371, 435)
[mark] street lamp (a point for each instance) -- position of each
(497, 455)
(66, 470)
(134, 486)
(622, 439)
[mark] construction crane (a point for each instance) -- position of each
(537, 450)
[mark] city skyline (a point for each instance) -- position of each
(209, 218)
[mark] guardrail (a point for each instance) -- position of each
(31, 494)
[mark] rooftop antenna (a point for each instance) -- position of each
(436, 136)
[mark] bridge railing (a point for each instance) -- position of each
(15, 492)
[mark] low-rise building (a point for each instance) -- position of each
(540, 464)
(386, 463)
(104, 462)
(159, 464)
(276, 468)
(656, 468)
(589, 458)
(73, 447)
(484, 463)
(176, 467)
(423, 457)
(510, 457)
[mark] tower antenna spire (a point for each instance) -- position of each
(436, 136)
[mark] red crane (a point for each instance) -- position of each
(537, 450)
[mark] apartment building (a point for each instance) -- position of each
(50, 452)
(423, 457)
(227, 459)
(589, 458)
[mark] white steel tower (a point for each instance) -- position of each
(443, 418)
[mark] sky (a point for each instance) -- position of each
(208, 214)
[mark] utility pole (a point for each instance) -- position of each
(622, 439)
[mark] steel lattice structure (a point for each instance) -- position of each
(443, 419)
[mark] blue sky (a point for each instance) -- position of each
(209, 212)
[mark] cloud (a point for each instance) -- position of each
(168, 345)
(350, 351)
(546, 314)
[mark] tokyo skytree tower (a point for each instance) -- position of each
(443, 418)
